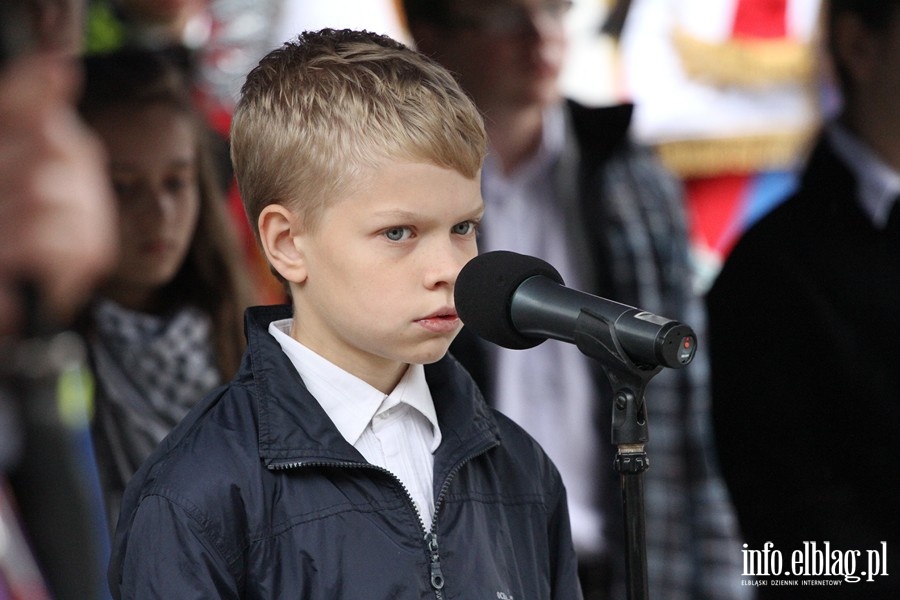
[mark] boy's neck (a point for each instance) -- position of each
(381, 373)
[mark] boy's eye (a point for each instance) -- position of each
(464, 228)
(397, 234)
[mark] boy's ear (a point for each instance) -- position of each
(277, 239)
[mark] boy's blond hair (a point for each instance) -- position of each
(322, 109)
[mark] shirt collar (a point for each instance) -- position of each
(350, 402)
(879, 184)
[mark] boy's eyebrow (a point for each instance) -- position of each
(397, 214)
(408, 215)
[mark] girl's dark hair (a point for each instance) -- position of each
(213, 276)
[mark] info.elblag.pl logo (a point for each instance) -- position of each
(813, 564)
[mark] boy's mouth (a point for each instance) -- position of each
(442, 321)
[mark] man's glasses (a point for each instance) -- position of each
(506, 19)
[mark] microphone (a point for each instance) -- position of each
(518, 301)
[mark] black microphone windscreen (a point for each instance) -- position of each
(484, 292)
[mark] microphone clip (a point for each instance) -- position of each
(596, 337)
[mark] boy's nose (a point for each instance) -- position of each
(445, 265)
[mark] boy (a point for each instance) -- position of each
(336, 465)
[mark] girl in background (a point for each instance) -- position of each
(167, 325)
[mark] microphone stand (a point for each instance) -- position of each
(596, 337)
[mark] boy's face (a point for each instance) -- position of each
(380, 267)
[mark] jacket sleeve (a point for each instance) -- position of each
(164, 553)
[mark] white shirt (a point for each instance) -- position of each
(398, 431)
(548, 389)
(879, 184)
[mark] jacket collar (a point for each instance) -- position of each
(600, 130)
(294, 429)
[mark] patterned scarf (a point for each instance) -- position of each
(150, 371)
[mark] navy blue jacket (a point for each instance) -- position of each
(256, 495)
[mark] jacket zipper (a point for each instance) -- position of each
(437, 576)
(431, 537)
